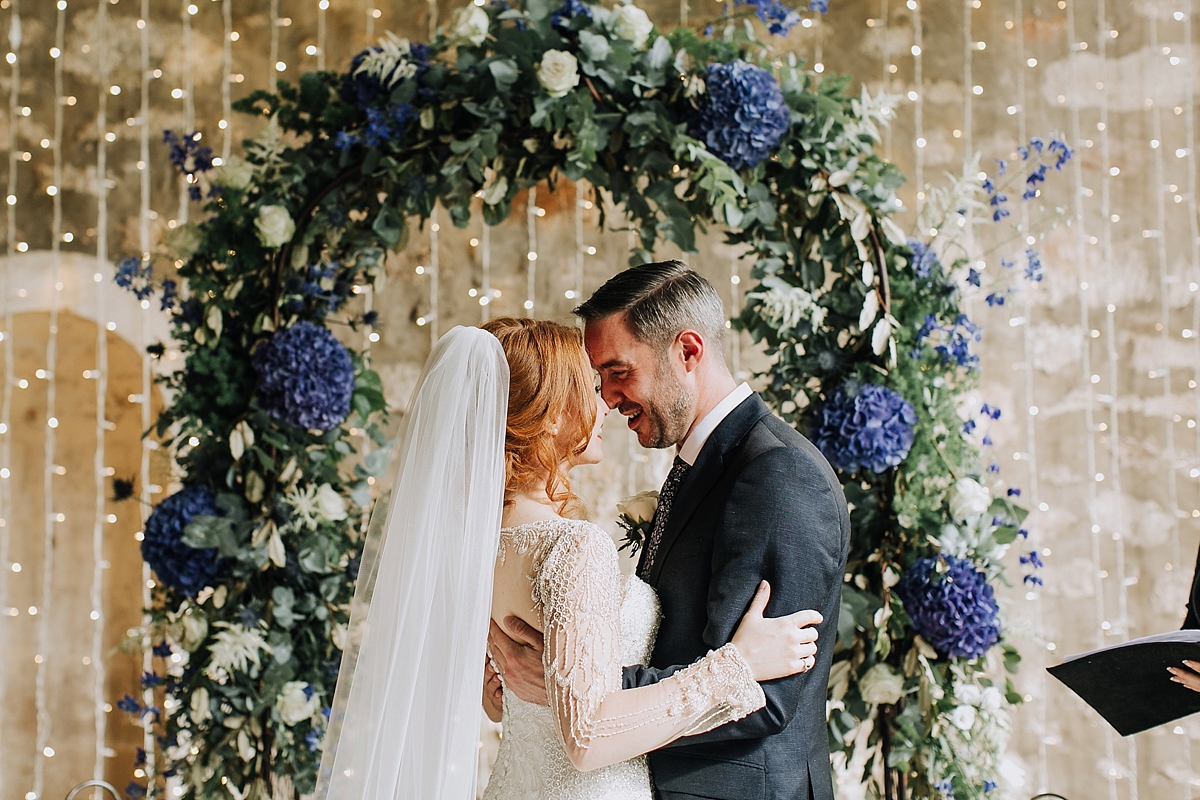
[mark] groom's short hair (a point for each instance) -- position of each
(660, 300)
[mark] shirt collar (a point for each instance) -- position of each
(690, 449)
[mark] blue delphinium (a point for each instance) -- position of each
(561, 19)
(191, 159)
(1033, 268)
(924, 261)
(305, 377)
(819, 5)
(170, 293)
(745, 117)
(951, 606)
(869, 429)
(135, 275)
(778, 17)
(176, 564)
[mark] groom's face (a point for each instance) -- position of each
(640, 382)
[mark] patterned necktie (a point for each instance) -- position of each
(665, 498)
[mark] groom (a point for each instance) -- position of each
(748, 499)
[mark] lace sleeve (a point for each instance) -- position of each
(579, 590)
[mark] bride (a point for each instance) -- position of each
(476, 529)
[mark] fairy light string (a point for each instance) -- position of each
(1082, 241)
(917, 95)
(144, 242)
(531, 256)
(1030, 456)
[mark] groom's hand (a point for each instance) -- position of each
(517, 650)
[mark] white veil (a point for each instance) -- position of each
(405, 718)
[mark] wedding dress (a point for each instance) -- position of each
(595, 622)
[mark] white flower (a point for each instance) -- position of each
(963, 717)
(330, 504)
(880, 336)
(968, 694)
(236, 173)
(274, 226)
(882, 685)
(787, 306)
(338, 636)
(632, 24)
(297, 702)
(304, 506)
(199, 706)
(195, 629)
(245, 748)
(468, 25)
(969, 499)
(389, 60)
(558, 73)
(639, 508)
(235, 649)
(495, 186)
(992, 699)
(870, 310)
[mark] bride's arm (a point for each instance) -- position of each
(579, 586)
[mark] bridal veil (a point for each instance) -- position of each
(405, 717)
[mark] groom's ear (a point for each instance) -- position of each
(692, 348)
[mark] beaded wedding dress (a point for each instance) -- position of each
(595, 621)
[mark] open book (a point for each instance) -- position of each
(1128, 683)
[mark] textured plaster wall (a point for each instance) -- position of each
(1042, 348)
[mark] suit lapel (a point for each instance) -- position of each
(708, 469)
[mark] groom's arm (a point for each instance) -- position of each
(781, 524)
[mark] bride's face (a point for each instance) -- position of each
(594, 451)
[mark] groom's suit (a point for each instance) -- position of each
(760, 502)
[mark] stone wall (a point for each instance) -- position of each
(1109, 452)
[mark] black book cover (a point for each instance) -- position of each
(1128, 683)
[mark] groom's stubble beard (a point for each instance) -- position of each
(669, 411)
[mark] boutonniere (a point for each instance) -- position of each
(635, 515)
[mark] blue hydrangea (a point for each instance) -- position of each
(745, 117)
(924, 261)
(868, 429)
(305, 377)
(177, 565)
(951, 606)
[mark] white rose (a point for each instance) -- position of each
(195, 629)
(330, 504)
(632, 24)
(297, 702)
(200, 710)
(969, 499)
(558, 73)
(992, 700)
(469, 25)
(963, 717)
(236, 173)
(274, 225)
(882, 685)
(640, 507)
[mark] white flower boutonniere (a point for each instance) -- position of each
(635, 515)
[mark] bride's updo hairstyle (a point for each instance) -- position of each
(550, 383)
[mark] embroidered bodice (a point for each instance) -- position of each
(595, 622)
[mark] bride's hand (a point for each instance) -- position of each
(776, 648)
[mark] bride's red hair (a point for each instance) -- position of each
(550, 384)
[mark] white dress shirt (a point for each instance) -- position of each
(694, 443)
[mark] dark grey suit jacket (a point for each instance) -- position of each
(761, 502)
